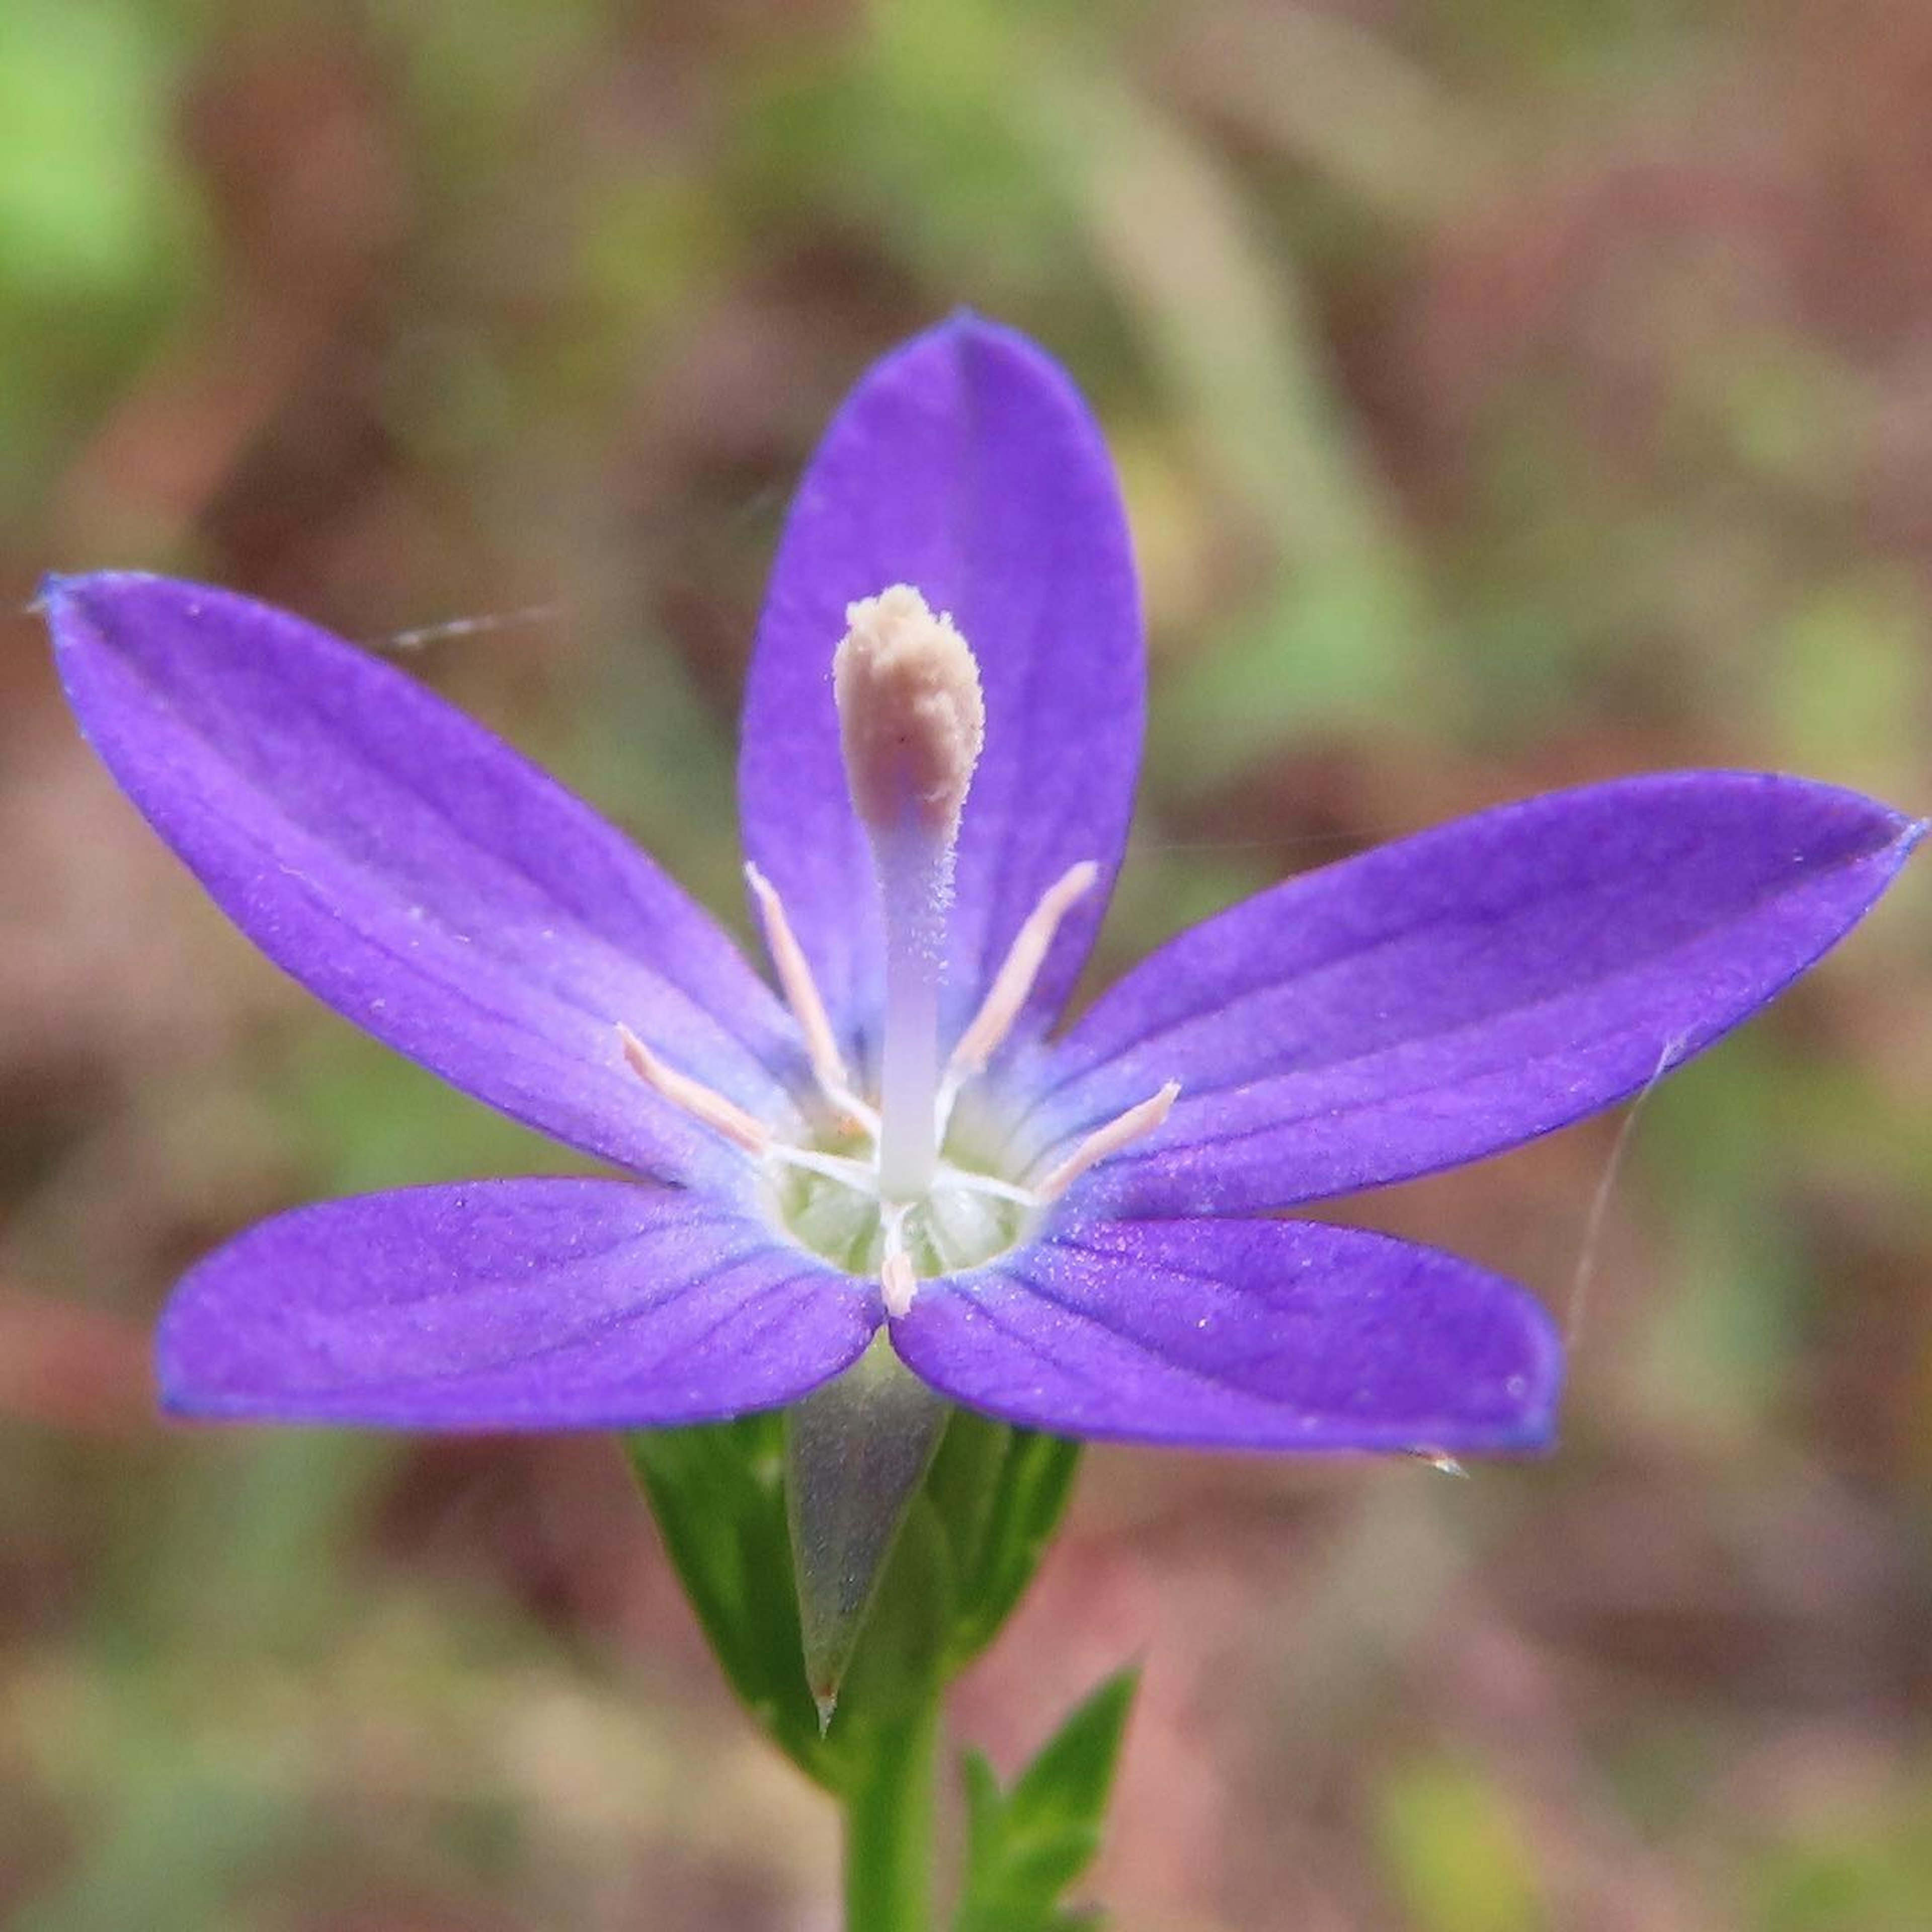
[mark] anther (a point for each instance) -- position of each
(1123, 1131)
(703, 1103)
(898, 1279)
(802, 996)
(1020, 968)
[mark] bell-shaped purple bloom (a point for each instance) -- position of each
(1065, 1231)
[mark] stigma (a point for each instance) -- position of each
(911, 718)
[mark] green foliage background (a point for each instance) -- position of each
(1507, 394)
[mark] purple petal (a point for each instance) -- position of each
(414, 871)
(1456, 993)
(1243, 1335)
(966, 465)
(509, 1304)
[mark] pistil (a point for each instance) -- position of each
(911, 721)
(915, 881)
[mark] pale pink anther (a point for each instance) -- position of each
(899, 1280)
(1122, 1131)
(897, 1283)
(703, 1103)
(1021, 967)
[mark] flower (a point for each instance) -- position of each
(1072, 1232)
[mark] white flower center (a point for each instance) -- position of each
(833, 1202)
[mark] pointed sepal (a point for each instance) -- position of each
(1000, 1492)
(857, 1451)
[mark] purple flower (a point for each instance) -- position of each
(1067, 1231)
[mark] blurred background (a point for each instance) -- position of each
(1508, 393)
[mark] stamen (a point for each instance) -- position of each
(897, 1279)
(1021, 967)
(703, 1103)
(1134, 1124)
(801, 993)
(855, 1175)
(965, 1181)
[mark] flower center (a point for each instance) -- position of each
(910, 1189)
(968, 1214)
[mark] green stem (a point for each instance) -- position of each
(889, 1819)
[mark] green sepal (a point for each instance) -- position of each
(717, 1490)
(960, 1484)
(898, 1667)
(856, 1451)
(1026, 1846)
(1001, 1492)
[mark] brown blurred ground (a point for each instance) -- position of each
(1507, 393)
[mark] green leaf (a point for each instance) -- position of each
(1025, 1847)
(1002, 1542)
(718, 1493)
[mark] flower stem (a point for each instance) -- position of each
(889, 1819)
